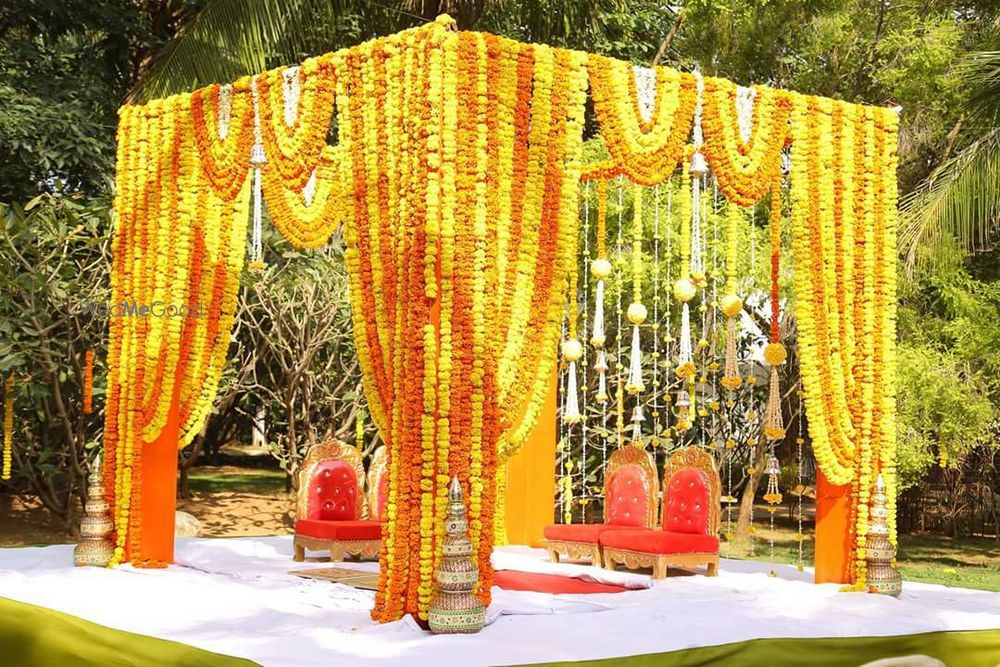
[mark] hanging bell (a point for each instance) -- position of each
(683, 400)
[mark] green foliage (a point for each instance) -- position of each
(54, 259)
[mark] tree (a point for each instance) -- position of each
(54, 262)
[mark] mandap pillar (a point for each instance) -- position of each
(833, 532)
(158, 489)
(531, 485)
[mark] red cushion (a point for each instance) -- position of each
(627, 497)
(339, 530)
(660, 541)
(333, 491)
(687, 507)
(579, 532)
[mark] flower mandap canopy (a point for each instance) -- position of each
(455, 176)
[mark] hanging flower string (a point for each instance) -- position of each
(775, 353)
(601, 269)
(731, 304)
(8, 427)
(88, 381)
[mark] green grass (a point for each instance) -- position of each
(968, 562)
(213, 480)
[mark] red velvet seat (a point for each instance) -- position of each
(688, 533)
(339, 530)
(630, 490)
(331, 505)
(660, 541)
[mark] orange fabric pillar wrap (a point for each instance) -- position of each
(833, 532)
(159, 492)
(531, 486)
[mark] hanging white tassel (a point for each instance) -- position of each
(572, 414)
(635, 384)
(597, 336)
(699, 167)
(601, 366)
(685, 358)
(258, 160)
(637, 418)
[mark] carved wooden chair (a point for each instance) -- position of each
(331, 508)
(689, 533)
(378, 486)
(630, 492)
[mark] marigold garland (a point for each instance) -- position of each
(456, 174)
(744, 171)
(8, 427)
(645, 152)
(88, 381)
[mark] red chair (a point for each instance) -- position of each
(331, 508)
(630, 492)
(690, 521)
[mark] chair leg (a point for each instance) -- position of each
(300, 553)
(660, 568)
(553, 556)
(713, 567)
(597, 557)
(609, 562)
(336, 553)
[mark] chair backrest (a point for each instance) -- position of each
(330, 483)
(691, 490)
(378, 485)
(630, 488)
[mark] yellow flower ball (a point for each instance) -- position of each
(598, 341)
(600, 269)
(775, 354)
(732, 305)
(699, 279)
(684, 290)
(572, 350)
(636, 313)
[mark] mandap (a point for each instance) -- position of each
(455, 176)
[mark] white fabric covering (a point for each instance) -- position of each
(234, 596)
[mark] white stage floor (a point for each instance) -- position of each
(234, 596)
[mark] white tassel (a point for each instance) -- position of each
(597, 336)
(258, 160)
(634, 384)
(637, 418)
(685, 355)
(601, 366)
(572, 414)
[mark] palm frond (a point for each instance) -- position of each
(960, 199)
(228, 39)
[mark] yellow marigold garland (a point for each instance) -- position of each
(8, 427)
(744, 171)
(645, 152)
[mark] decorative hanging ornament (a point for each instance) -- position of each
(775, 353)
(636, 311)
(601, 267)
(601, 366)
(572, 351)
(773, 496)
(257, 160)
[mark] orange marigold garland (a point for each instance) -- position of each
(88, 381)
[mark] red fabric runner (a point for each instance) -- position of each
(550, 583)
